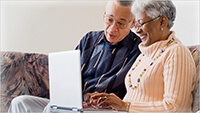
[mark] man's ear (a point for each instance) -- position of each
(104, 13)
(132, 23)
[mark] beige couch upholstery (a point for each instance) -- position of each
(27, 73)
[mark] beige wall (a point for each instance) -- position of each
(48, 26)
(56, 25)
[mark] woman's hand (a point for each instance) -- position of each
(88, 102)
(104, 100)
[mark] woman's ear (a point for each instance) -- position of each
(163, 21)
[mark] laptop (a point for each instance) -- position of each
(65, 82)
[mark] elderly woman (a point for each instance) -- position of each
(162, 77)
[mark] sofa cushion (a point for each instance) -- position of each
(22, 73)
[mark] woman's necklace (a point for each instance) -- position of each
(145, 69)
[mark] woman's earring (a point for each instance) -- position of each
(161, 29)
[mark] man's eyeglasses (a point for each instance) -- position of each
(120, 23)
(140, 25)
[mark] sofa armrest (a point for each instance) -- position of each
(22, 74)
(195, 51)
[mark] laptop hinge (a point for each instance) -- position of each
(55, 108)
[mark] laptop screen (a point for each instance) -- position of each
(65, 79)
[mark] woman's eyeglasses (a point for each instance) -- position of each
(140, 25)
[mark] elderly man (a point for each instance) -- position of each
(106, 57)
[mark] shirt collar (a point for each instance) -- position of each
(125, 42)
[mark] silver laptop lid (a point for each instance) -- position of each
(65, 80)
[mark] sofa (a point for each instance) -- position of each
(20, 74)
(27, 73)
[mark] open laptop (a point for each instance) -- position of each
(65, 82)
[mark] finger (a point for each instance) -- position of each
(93, 101)
(107, 106)
(101, 99)
(85, 105)
(107, 103)
(104, 105)
(98, 95)
(87, 96)
(103, 102)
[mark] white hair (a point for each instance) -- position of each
(155, 8)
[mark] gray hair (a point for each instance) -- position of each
(155, 8)
(125, 2)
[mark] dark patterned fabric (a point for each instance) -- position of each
(111, 81)
(22, 73)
